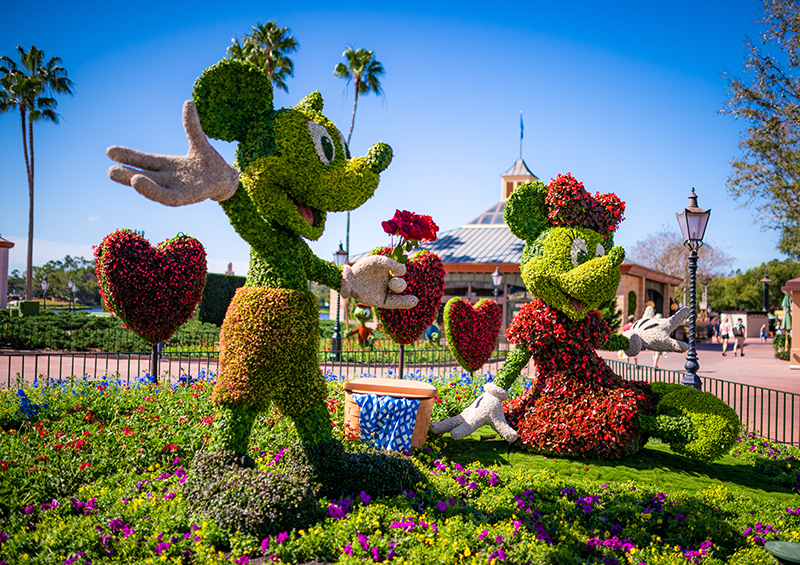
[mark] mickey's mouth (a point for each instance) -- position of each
(309, 214)
(576, 304)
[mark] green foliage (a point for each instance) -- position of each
(782, 352)
(612, 314)
(58, 273)
(560, 272)
(248, 501)
(234, 101)
(338, 472)
(631, 303)
(716, 425)
(525, 211)
(745, 291)
(217, 295)
(266, 47)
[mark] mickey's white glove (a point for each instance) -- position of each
(369, 280)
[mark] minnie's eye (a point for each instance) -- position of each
(323, 143)
(600, 251)
(579, 253)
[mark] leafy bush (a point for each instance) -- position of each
(247, 500)
(339, 472)
(779, 346)
(217, 295)
(716, 425)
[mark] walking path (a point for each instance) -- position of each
(758, 367)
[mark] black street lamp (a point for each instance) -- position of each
(693, 221)
(340, 258)
(766, 280)
(45, 286)
(497, 281)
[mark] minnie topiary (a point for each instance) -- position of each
(578, 406)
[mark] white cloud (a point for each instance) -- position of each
(94, 218)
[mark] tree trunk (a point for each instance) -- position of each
(29, 172)
(353, 119)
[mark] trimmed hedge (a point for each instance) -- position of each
(217, 295)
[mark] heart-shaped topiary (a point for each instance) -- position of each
(153, 290)
(424, 279)
(472, 330)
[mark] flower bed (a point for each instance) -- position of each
(99, 472)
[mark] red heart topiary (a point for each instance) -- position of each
(424, 279)
(472, 330)
(153, 290)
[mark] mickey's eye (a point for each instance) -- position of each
(323, 143)
(579, 253)
(600, 251)
(344, 144)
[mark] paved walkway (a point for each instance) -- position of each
(758, 367)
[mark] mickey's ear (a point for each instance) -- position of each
(526, 212)
(230, 96)
(313, 101)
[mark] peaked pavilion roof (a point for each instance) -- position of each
(486, 239)
(519, 169)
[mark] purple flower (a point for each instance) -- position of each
(365, 498)
(243, 560)
(442, 506)
(282, 537)
(364, 541)
(483, 534)
(265, 545)
(348, 550)
(376, 554)
(162, 547)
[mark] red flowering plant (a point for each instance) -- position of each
(472, 330)
(412, 229)
(569, 204)
(153, 290)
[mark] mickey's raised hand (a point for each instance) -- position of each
(369, 280)
(177, 180)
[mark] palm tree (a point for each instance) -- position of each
(266, 48)
(27, 87)
(363, 69)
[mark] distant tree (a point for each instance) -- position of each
(612, 314)
(664, 251)
(745, 291)
(767, 97)
(76, 269)
(266, 47)
(27, 87)
(364, 71)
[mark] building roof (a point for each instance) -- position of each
(519, 169)
(482, 245)
(493, 217)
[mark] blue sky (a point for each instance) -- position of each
(623, 95)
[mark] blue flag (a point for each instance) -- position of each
(521, 127)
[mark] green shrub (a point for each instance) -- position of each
(715, 424)
(217, 295)
(246, 500)
(337, 471)
(779, 346)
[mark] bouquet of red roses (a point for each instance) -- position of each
(412, 229)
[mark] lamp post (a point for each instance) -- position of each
(693, 221)
(340, 258)
(766, 280)
(497, 281)
(45, 286)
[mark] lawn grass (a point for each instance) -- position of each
(655, 466)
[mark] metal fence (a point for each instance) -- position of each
(773, 414)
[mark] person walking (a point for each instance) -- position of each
(738, 336)
(764, 333)
(724, 334)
